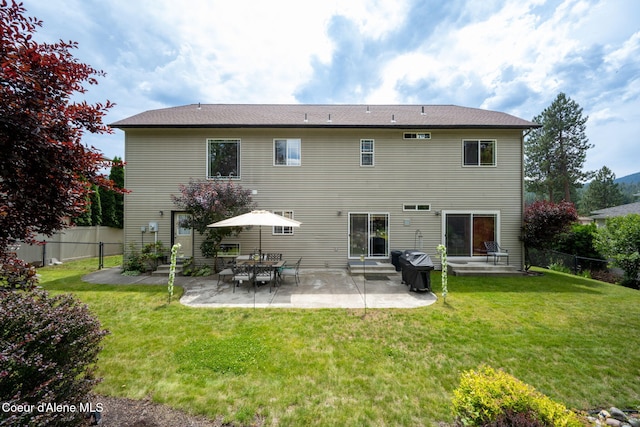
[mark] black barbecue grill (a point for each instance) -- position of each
(416, 270)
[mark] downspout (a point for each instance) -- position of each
(522, 195)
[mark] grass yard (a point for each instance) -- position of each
(574, 339)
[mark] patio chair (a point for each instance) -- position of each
(273, 257)
(291, 272)
(242, 273)
(265, 274)
(225, 270)
(494, 249)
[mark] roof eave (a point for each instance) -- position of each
(318, 126)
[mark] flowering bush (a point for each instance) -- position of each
(442, 250)
(172, 268)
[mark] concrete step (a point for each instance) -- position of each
(370, 267)
(163, 270)
(482, 269)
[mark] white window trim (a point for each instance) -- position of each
(369, 215)
(417, 136)
(415, 207)
(372, 152)
(285, 231)
(208, 161)
(479, 165)
(287, 164)
(443, 225)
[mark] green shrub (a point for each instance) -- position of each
(147, 259)
(490, 397)
(132, 260)
(190, 268)
(48, 350)
(559, 267)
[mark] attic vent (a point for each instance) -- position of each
(417, 135)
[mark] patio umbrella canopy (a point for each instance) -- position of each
(259, 218)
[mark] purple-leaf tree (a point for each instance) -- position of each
(209, 201)
(543, 222)
(46, 172)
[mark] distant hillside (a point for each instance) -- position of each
(629, 179)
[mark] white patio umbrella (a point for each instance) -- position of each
(259, 218)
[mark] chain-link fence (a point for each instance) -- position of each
(52, 252)
(575, 264)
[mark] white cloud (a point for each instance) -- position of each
(510, 55)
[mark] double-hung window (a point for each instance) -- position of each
(282, 231)
(479, 152)
(366, 152)
(223, 158)
(287, 152)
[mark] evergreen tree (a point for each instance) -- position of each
(117, 177)
(113, 201)
(555, 153)
(108, 203)
(84, 218)
(601, 193)
(96, 207)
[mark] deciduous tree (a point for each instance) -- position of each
(555, 153)
(619, 241)
(209, 202)
(46, 171)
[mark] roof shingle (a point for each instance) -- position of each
(621, 210)
(315, 115)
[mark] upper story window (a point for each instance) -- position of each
(283, 230)
(416, 135)
(416, 207)
(366, 152)
(287, 152)
(223, 158)
(479, 152)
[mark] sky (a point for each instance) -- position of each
(513, 56)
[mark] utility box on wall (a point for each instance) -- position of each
(153, 227)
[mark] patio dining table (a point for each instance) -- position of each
(273, 264)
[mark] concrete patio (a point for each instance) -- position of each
(319, 288)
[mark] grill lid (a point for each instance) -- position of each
(417, 258)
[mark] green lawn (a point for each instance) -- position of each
(575, 340)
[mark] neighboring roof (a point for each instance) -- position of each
(306, 115)
(622, 210)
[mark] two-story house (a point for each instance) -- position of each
(362, 179)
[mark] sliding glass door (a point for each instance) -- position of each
(466, 232)
(368, 235)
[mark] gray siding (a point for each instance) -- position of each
(330, 184)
